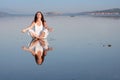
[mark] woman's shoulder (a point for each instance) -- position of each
(33, 22)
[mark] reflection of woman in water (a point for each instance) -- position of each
(41, 29)
(39, 49)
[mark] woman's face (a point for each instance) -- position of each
(39, 15)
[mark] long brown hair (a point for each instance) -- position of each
(37, 59)
(42, 17)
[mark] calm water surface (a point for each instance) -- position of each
(84, 48)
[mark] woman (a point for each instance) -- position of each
(41, 30)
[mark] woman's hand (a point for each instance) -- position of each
(24, 30)
(50, 29)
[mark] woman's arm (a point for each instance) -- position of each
(30, 27)
(29, 50)
(48, 28)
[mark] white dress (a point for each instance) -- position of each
(36, 47)
(38, 29)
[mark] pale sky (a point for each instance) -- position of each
(31, 6)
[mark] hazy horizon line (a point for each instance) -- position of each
(60, 12)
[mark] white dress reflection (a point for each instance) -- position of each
(38, 48)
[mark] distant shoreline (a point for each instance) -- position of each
(115, 12)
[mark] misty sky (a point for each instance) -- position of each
(31, 6)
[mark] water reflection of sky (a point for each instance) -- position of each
(81, 50)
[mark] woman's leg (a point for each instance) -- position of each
(33, 34)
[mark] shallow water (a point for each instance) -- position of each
(84, 48)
